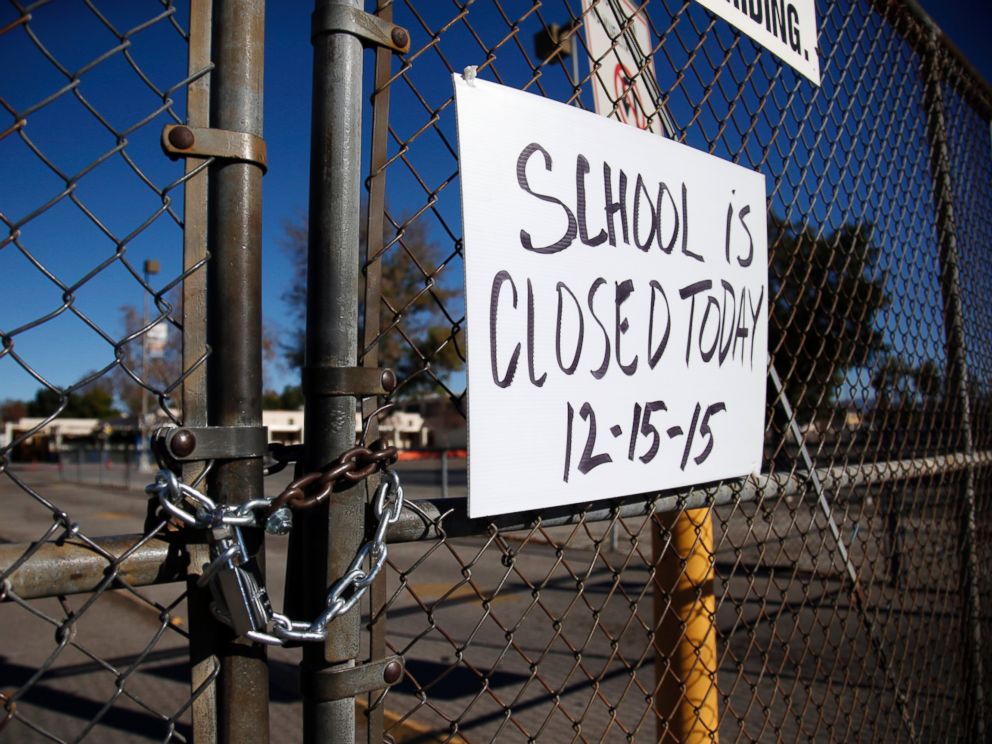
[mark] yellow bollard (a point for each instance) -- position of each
(686, 691)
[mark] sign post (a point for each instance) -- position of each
(616, 292)
(686, 661)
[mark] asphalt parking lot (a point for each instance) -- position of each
(500, 642)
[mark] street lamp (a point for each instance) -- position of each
(150, 268)
(554, 40)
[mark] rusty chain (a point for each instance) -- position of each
(313, 488)
(351, 466)
(304, 492)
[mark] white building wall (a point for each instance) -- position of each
(401, 428)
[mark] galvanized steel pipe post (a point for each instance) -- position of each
(327, 542)
(234, 329)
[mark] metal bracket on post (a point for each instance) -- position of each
(180, 141)
(341, 683)
(372, 30)
(357, 381)
(192, 443)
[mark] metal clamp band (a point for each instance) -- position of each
(358, 381)
(371, 29)
(192, 443)
(180, 141)
(338, 684)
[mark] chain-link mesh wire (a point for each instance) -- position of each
(844, 608)
(582, 631)
(91, 257)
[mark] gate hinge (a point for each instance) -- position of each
(179, 141)
(371, 29)
(358, 381)
(191, 443)
(324, 685)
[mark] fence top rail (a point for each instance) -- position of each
(39, 569)
(444, 518)
(973, 84)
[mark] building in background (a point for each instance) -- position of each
(51, 438)
(403, 428)
(427, 423)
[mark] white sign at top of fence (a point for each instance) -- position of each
(616, 300)
(786, 28)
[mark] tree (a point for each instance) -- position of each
(825, 294)
(95, 401)
(12, 410)
(162, 367)
(417, 340)
(291, 398)
(899, 382)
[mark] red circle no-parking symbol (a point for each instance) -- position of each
(630, 108)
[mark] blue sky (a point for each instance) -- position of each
(95, 263)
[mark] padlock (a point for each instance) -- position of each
(244, 597)
(240, 597)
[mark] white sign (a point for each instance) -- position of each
(617, 51)
(156, 339)
(616, 291)
(786, 28)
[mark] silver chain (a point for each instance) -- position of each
(342, 595)
(171, 493)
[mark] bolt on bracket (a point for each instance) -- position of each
(180, 141)
(192, 443)
(372, 30)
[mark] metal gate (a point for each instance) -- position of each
(839, 596)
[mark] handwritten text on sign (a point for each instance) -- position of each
(616, 302)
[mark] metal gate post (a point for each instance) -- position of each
(203, 630)
(331, 536)
(686, 664)
(234, 330)
(956, 349)
(374, 246)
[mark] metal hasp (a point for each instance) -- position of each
(179, 141)
(357, 381)
(372, 30)
(192, 443)
(340, 683)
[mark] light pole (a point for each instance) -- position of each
(150, 268)
(551, 42)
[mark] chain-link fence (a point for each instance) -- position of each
(839, 596)
(91, 210)
(844, 608)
